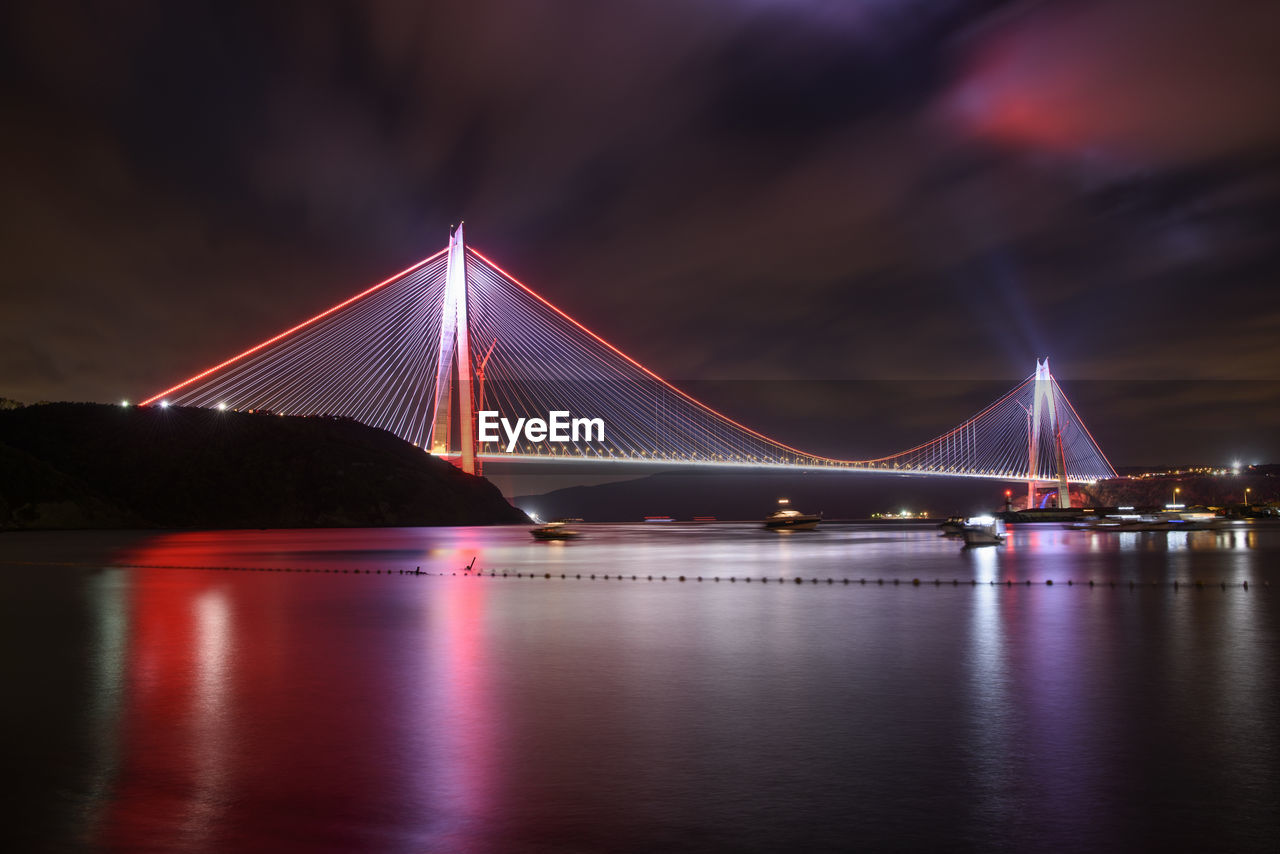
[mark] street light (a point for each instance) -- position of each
(1246, 496)
(1176, 490)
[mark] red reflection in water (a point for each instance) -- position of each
(350, 709)
(174, 726)
(457, 770)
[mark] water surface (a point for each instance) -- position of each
(249, 690)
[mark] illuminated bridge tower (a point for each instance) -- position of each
(453, 368)
(1044, 405)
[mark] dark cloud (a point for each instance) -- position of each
(864, 214)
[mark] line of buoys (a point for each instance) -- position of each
(1175, 584)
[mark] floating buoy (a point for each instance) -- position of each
(799, 581)
(548, 575)
(1049, 583)
(682, 578)
(915, 582)
(1069, 582)
(1246, 585)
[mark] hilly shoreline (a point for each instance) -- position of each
(94, 466)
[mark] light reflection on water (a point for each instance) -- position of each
(226, 709)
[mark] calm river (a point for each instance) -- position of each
(251, 691)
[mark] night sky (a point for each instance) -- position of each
(851, 224)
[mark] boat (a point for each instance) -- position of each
(659, 518)
(982, 531)
(952, 527)
(1169, 519)
(554, 531)
(787, 518)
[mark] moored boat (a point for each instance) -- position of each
(554, 531)
(1176, 519)
(982, 531)
(787, 518)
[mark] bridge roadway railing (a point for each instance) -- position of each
(816, 464)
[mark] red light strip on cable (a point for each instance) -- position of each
(294, 329)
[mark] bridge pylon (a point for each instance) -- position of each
(453, 365)
(1044, 404)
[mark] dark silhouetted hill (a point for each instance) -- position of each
(84, 465)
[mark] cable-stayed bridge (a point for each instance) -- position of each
(427, 352)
